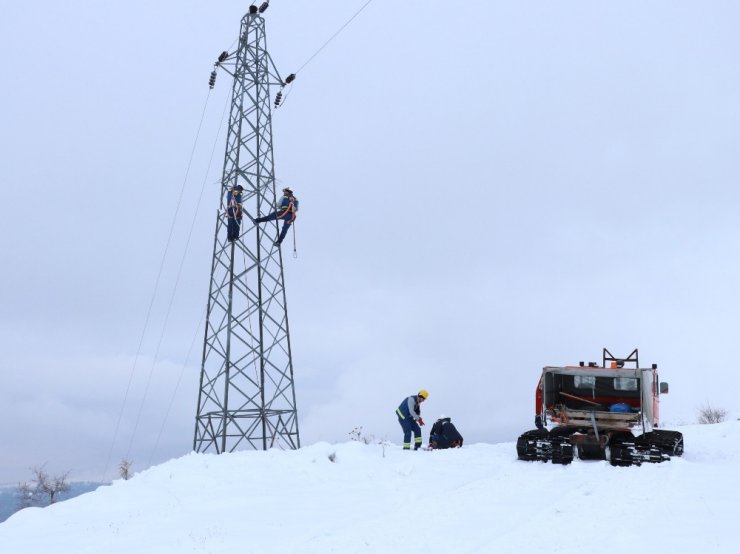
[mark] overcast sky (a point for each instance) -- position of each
(486, 187)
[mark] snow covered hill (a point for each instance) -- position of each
(354, 497)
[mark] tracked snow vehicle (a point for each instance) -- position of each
(599, 412)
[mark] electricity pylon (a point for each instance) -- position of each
(247, 395)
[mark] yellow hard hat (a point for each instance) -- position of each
(424, 393)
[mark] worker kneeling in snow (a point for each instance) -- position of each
(444, 434)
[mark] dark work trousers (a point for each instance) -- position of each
(287, 218)
(232, 229)
(408, 424)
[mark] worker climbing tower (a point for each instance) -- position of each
(247, 395)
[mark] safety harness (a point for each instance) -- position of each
(289, 209)
(234, 208)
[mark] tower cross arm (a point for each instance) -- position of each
(274, 74)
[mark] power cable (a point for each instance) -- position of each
(192, 225)
(177, 386)
(156, 288)
(365, 5)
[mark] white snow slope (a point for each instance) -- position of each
(380, 499)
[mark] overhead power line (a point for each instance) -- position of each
(365, 5)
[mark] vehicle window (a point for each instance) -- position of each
(584, 381)
(625, 383)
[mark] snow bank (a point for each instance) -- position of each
(372, 498)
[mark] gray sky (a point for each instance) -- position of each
(486, 187)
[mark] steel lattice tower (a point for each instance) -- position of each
(247, 395)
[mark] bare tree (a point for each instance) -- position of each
(124, 469)
(707, 414)
(48, 487)
(358, 435)
(26, 495)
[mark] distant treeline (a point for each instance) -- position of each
(9, 500)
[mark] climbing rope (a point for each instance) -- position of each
(295, 250)
(249, 320)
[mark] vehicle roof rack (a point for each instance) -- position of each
(609, 357)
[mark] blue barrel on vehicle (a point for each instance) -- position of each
(621, 407)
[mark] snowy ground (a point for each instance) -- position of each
(380, 499)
